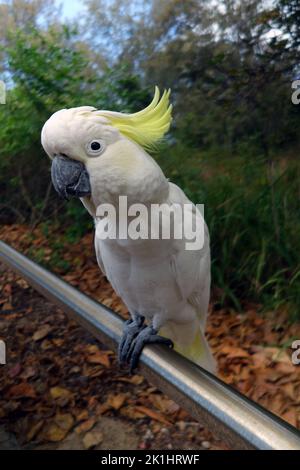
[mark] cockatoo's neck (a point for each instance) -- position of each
(126, 170)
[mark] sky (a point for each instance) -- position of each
(71, 8)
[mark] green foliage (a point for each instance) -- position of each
(80, 221)
(50, 70)
(250, 260)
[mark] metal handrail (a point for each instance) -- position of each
(238, 421)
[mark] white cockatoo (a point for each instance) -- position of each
(99, 156)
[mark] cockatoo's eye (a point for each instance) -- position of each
(95, 148)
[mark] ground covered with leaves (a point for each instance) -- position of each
(62, 389)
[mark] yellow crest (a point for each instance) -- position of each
(146, 127)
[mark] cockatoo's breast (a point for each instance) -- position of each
(141, 273)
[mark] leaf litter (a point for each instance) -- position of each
(61, 380)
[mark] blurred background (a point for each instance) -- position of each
(233, 146)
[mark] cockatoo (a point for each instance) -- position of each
(100, 155)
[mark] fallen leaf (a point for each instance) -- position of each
(289, 390)
(92, 439)
(82, 415)
(234, 352)
(7, 306)
(92, 402)
(59, 392)
(99, 358)
(164, 404)
(291, 417)
(103, 408)
(34, 430)
(116, 401)
(46, 344)
(152, 414)
(135, 379)
(286, 368)
(85, 426)
(131, 412)
(91, 348)
(92, 371)
(64, 420)
(58, 342)
(22, 390)
(55, 433)
(42, 332)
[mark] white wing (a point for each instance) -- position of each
(98, 255)
(192, 267)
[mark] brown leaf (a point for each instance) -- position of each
(46, 344)
(131, 412)
(286, 368)
(7, 306)
(103, 408)
(135, 379)
(85, 426)
(22, 390)
(291, 417)
(34, 430)
(64, 420)
(92, 402)
(91, 349)
(234, 352)
(58, 342)
(259, 359)
(92, 371)
(82, 415)
(42, 332)
(116, 401)
(164, 404)
(92, 439)
(152, 414)
(55, 433)
(289, 390)
(59, 392)
(273, 376)
(276, 404)
(100, 357)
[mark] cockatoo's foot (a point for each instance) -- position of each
(131, 330)
(148, 335)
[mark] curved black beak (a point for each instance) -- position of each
(69, 177)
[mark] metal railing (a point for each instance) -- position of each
(235, 419)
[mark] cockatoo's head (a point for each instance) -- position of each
(102, 154)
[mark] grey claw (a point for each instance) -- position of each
(131, 330)
(147, 336)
